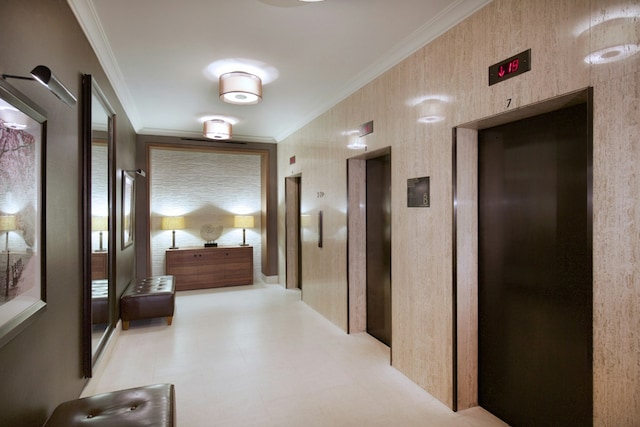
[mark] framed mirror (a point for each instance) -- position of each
(98, 124)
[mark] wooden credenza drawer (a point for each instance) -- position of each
(99, 265)
(197, 268)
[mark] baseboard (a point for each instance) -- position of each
(270, 280)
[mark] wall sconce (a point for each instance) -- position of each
(44, 75)
(172, 223)
(238, 87)
(140, 172)
(217, 129)
(100, 223)
(244, 222)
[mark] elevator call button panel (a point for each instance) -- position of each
(418, 192)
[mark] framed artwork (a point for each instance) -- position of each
(22, 257)
(128, 194)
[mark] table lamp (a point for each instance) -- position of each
(99, 223)
(172, 223)
(244, 222)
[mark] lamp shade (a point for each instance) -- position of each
(99, 223)
(243, 221)
(172, 223)
(7, 223)
(217, 129)
(241, 88)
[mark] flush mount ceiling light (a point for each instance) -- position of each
(240, 88)
(217, 129)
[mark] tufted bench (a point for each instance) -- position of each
(148, 298)
(151, 405)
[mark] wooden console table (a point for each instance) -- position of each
(99, 265)
(198, 268)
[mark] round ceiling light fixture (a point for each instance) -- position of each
(240, 88)
(217, 129)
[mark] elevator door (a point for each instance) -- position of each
(292, 226)
(535, 270)
(379, 248)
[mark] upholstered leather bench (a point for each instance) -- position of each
(151, 405)
(148, 298)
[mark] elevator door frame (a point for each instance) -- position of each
(465, 235)
(357, 239)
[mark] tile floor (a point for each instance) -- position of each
(258, 356)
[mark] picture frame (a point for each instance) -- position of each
(128, 201)
(22, 227)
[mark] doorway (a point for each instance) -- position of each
(369, 243)
(535, 270)
(539, 212)
(292, 225)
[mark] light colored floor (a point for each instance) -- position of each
(258, 356)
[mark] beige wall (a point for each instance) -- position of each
(450, 76)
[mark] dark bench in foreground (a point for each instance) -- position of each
(151, 405)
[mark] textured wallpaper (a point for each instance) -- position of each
(207, 188)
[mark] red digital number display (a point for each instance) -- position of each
(511, 67)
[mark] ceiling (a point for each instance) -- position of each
(161, 56)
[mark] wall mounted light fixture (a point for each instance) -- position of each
(217, 129)
(238, 87)
(44, 75)
(140, 172)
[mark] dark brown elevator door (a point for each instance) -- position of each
(379, 248)
(535, 271)
(293, 244)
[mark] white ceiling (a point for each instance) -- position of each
(156, 54)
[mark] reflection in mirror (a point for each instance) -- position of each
(98, 145)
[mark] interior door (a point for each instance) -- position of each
(535, 270)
